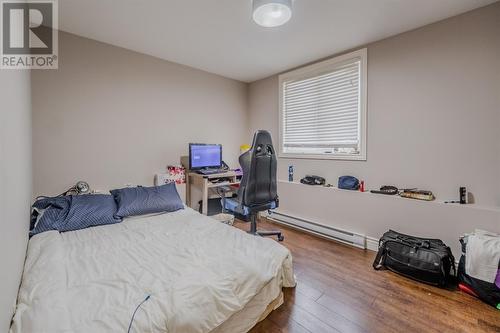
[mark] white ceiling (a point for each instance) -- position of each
(219, 36)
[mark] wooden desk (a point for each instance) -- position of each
(205, 183)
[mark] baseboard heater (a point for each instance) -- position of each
(343, 236)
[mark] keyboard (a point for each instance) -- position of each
(211, 171)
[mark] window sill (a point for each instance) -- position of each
(360, 157)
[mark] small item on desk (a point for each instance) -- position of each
(386, 189)
(176, 173)
(362, 186)
(223, 189)
(462, 191)
(348, 183)
(244, 148)
(463, 195)
(208, 172)
(290, 173)
(313, 180)
(417, 194)
(221, 180)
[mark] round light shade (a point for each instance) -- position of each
(272, 13)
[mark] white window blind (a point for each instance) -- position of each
(322, 109)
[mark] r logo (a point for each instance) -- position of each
(29, 34)
(27, 27)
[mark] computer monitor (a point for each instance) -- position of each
(204, 156)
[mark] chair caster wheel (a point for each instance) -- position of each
(281, 238)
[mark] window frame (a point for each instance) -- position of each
(316, 69)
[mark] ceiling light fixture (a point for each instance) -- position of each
(272, 13)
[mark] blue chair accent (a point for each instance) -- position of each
(233, 205)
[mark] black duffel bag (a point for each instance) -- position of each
(422, 259)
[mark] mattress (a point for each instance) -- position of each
(200, 275)
(254, 311)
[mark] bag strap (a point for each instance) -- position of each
(379, 259)
(452, 260)
(413, 242)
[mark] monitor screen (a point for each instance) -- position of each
(204, 156)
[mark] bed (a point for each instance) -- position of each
(200, 276)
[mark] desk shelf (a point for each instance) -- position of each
(213, 185)
(204, 182)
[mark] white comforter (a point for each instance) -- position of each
(198, 272)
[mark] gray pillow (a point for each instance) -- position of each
(69, 213)
(132, 201)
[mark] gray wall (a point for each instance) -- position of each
(433, 123)
(111, 116)
(15, 185)
(433, 111)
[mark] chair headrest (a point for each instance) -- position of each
(261, 138)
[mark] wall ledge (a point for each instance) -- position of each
(397, 197)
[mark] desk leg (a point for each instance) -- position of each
(204, 203)
(188, 190)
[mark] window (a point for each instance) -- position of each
(323, 109)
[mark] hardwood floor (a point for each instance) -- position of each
(339, 291)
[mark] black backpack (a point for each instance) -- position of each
(422, 259)
(487, 292)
